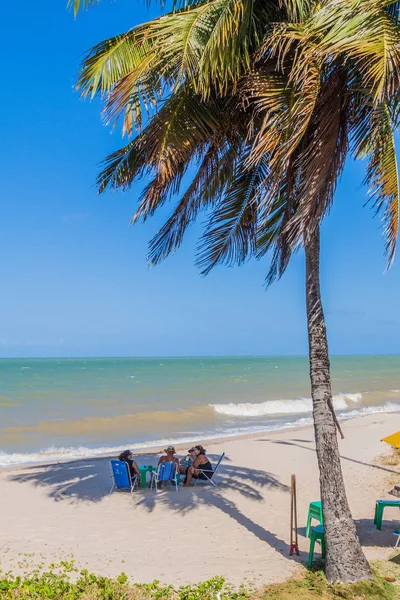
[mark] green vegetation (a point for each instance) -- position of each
(313, 586)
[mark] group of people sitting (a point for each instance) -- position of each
(194, 465)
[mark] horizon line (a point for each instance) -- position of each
(178, 356)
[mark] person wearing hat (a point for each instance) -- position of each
(169, 456)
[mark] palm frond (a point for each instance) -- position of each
(227, 53)
(178, 133)
(231, 233)
(205, 189)
(140, 89)
(374, 138)
(285, 107)
(276, 210)
(111, 60)
(77, 5)
(365, 33)
(321, 156)
(297, 10)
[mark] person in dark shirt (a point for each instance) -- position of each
(200, 464)
(127, 457)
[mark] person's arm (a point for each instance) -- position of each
(135, 468)
(198, 462)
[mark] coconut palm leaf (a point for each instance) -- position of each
(320, 164)
(77, 5)
(367, 34)
(205, 189)
(178, 133)
(231, 233)
(285, 108)
(207, 45)
(374, 138)
(297, 10)
(111, 60)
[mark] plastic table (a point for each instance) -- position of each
(379, 507)
(143, 474)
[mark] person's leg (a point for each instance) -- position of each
(192, 472)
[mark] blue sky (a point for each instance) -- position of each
(74, 276)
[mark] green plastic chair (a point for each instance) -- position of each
(379, 508)
(317, 533)
(314, 512)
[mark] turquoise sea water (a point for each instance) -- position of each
(78, 407)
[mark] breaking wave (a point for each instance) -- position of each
(282, 407)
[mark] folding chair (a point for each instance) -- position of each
(166, 471)
(397, 532)
(211, 475)
(121, 476)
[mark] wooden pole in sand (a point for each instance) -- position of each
(294, 546)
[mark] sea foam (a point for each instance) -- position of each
(281, 407)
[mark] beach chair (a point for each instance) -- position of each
(317, 534)
(314, 512)
(166, 471)
(121, 477)
(211, 474)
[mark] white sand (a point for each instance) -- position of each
(240, 530)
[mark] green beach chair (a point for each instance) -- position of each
(317, 534)
(314, 512)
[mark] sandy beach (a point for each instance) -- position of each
(240, 530)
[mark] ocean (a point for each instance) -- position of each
(69, 408)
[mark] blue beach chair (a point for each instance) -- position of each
(209, 476)
(166, 471)
(121, 477)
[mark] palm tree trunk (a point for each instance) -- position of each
(345, 560)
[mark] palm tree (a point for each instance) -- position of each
(264, 100)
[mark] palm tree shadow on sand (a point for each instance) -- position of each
(90, 481)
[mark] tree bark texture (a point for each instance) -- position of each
(345, 560)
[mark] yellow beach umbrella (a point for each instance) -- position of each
(393, 440)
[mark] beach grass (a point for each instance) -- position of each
(58, 585)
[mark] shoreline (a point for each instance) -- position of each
(179, 445)
(153, 450)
